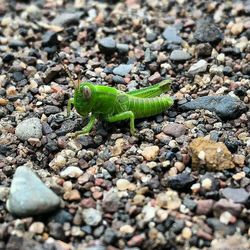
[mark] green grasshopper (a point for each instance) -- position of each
(112, 105)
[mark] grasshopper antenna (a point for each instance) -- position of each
(68, 72)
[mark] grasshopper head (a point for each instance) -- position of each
(83, 97)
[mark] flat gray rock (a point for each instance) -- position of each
(29, 128)
(226, 107)
(237, 195)
(29, 195)
(123, 69)
(179, 55)
(66, 19)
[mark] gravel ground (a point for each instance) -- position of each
(182, 182)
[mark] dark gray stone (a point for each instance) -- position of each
(49, 38)
(207, 31)
(107, 45)
(181, 181)
(226, 107)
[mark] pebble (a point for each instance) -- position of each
(29, 195)
(207, 32)
(155, 78)
(237, 28)
(29, 128)
(186, 233)
(168, 200)
(174, 129)
(203, 49)
(122, 184)
(126, 229)
(199, 67)
(107, 45)
(179, 55)
(204, 207)
(212, 155)
(37, 227)
(110, 202)
(235, 241)
(91, 216)
(227, 218)
(237, 195)
(207, 184)
(123, 69)
(72, 172)
(150, 153)
(67, 19)
(226, 107)
(226, 205)
(171, 35)
(181, 181)
(122, 48)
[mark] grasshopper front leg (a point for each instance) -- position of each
(70, 102)
(124, 116)
(88, 127)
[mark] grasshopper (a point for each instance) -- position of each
(112, 105)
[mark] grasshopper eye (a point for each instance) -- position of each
(86, 92)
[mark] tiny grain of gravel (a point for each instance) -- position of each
(182, 182)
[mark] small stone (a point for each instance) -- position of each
(126, 229)
(206, 183)
(37, 228)
(72, 172)
(174, 129)
(123, 69)
(168, 200)
(150, 153)
(179, 55)
(4, 192)
(92, 216)
(67, 19)
(107, 45)
(221, 57)
(171, 35)
(216, 70)
(212, 155)
(235, 241)
(181, 181)
(155, 78)
(18, 76)
(58, 162)
(29, 128)
(204, 207)
(239, 159)
(207, 31)
(136, 240)
(237, 28)
(29, 195)
(239, 176)
(110, 202)
(123, 184)
(226, 205)
(226, 218)
(186, 233)
(122, 48)
(119, 146)
(199, 67)
(204, 49)
(3, 102)
(237, 195)
(180, 166)
(72, 195)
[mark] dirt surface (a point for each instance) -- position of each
(109, 189)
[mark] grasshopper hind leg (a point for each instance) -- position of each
(124, 116)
